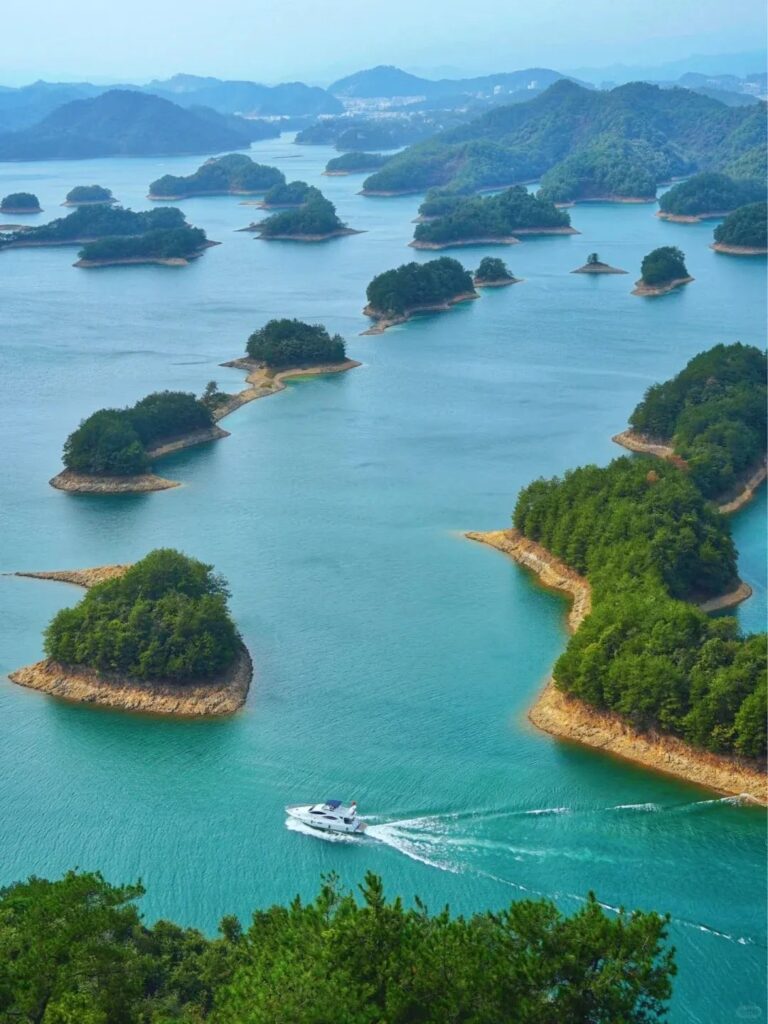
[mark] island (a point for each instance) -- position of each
(707, 196)
(491, 220)
(285, 196)
(743, 232)
(112, 450)
(20, 202)
(173, 247)
(646, 674)
(90, 223)
(710, 421)
(154, 637)
(595, 265)
(493, 273)
(232, 175)
(661, 271)
(354, 162)
(314, 221)
(88, 195)
(397, 295)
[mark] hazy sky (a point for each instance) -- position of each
(319, 40)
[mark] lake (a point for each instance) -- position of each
(394, 660)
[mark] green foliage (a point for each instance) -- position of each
(212, 397)
(593, 259)
(355, 161)
(178, 243)
(608, 166)
(102, 221)
(710, 192)
(232, 173)
(745, 226)
(114, 442)
(495, 216)
(492, 269)
(89, 194)
(20, 201)
(713, 412)
(418, 284)
(281, 343)
(292, 193)
(662, 265)
(317, 216)
(165, 619)
(75, 951)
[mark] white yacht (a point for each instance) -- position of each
(331, 816)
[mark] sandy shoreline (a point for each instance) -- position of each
(90, 202)
(501, 282)
(80, 577)
(738, 250)
(650, 290)
(383, 322)
(263, 382)
(458, 243)
(568, 718)
(598, 268)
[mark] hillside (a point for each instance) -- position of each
(390, 82)
(662, 132)
(242, 97)
(121, 123)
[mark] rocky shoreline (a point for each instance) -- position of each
(17, 211)
(598, 268)
(726, 504)
(499, 282)
(263, 382)
(80, 577)
(738, 250)
(339, 233)
(383, 322)
(569, 718)
(650, 290)
(691, 218)
(459, 242)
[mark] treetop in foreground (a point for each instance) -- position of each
(413, 285)
(663, 265)
(166, 618)
(285, 342)
(77, 950)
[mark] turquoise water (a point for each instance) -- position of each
(394, 660)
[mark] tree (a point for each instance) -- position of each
(493, 269)
(663, 265)
(20, 202)
(285, 342)
(495, 216)
(234, 172)
(592, 259)
(413, 285)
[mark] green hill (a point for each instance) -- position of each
(710, 192)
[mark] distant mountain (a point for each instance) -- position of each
(31, 103)
(121, 122)
(587, 143)
(389, 82)
(289, 98)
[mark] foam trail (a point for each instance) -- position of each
(649, 808)
(294, 825)
(392, 835)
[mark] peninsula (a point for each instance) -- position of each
(710, 421)
(707, 196)
(490, 220)
(232, 175)
(743, 232)
(662, 271)
(178, 650)
(397, 295)
(315, 220)
(89, 195)
(595, 265)
(493, 273)
(19, 203)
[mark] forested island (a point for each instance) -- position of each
(157, 637)
(743, 232)
(397, 295)
(355, 162)
(498, 218)
(661, 271)
(284, 343)
(88, 195)
(710, 419)
(708, 195)
(624, 142)
(528, 962)
(89, 223)
(286, 195)
(112, 449)
(641, 545)
(168, 247)
(493, 273)
(232, 175)
(20, 202)
(315, 220)
(595, 265)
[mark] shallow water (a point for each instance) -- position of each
(394, 660)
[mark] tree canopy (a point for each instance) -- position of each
(166, 618)
(76, 951)
(102, 221)
(354, 161)
(234, 172)
(20, 201)
(745, 226)
(176, 243)
(90, 194)
(114, 442)
(713, 413)
(316, 216)
(492, 269)
(494, 216)
(292, 193)
(418, 284)
(663, 265)
(608, 166)
(710, 192)
(283, 343)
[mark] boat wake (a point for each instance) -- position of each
(294, 825)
